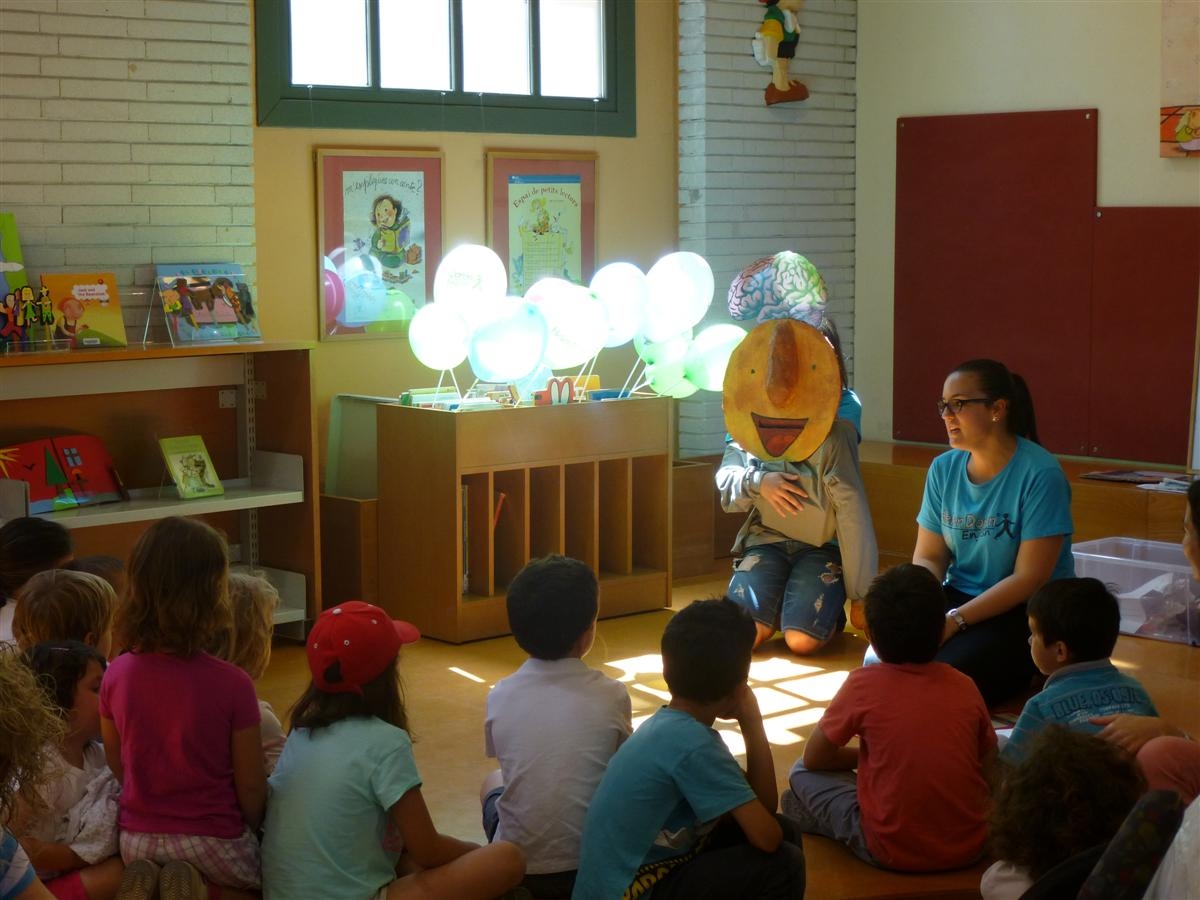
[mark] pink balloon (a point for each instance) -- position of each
(335, 296)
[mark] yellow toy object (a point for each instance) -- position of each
(775, 46)
(781, 390)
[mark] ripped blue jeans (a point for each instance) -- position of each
(792, 586)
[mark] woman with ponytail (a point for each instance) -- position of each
(994, 526)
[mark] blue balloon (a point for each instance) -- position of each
(510, 346)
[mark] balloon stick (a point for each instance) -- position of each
(629, 379)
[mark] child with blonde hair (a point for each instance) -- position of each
(71, 838)
(181, 727)
(246, 643)
(62, 605)
(346, 797)
(28, 723)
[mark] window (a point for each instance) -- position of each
(524, 66)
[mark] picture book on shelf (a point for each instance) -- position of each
(190, 466)
(85, 309)
(206, 303)
(63, 472)
(14, 285)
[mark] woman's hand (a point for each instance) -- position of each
(785, 497)
(949, 630)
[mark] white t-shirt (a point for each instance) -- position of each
(273, 737)
(1004, 881)
(553, 725)
(63, 790)
(6, 617)
(1178, 874)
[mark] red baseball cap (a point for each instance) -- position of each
(354, 643)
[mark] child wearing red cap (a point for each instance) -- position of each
(346, 801)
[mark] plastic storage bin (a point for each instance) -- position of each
(1152, 581)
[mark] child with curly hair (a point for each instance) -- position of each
(28, 723)
(1071, 792)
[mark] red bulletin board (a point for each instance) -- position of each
(1145, 287)
(994, 218)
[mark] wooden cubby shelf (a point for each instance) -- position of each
(466, 499)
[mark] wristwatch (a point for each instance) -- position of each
(958, 619)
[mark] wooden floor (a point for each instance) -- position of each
(447, 686)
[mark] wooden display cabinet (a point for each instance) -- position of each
(251, 403)
(466, 499)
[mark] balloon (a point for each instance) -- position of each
(624, 291)
(672, 349)
(469, 279)
(534, 381)
(706, 359)
(438, 336)
(509, 345)
(335, 296)
(681, 290)
(575, 318)
(668, 380)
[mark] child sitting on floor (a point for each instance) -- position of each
(28, 545)
(246, 642)
(72, 839)
(62, 605)
(674, 813)
(1071, 792)
(1074, 624)
(553, 724)
(346, 796)
(920, 800)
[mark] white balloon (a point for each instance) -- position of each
(625, 293)
(681, 290)
(438, 336)
(510, 344)
(707, 358)
(575, 318)
(469, 280)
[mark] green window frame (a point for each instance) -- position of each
(283, 104)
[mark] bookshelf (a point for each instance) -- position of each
(591, 480)
(252, 404)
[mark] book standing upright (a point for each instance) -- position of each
(206, 303)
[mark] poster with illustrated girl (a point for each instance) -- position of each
(380, 228)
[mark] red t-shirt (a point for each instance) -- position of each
(924, 731)
(176, 718)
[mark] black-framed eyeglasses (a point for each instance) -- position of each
(956, 405)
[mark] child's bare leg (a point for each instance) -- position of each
(102, 880)
(761, 633)
(481, 874)
(493, 780)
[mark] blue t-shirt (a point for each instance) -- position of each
(850, 408)
(664, 791)
(16, 874)
(328, 814)
(984, 524)
(1072, 695)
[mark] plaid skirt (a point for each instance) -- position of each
(229, 862)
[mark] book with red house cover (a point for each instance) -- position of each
(62, 472)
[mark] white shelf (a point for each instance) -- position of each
(278, 481)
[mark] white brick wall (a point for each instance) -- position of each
(127, 137)
(754, 179)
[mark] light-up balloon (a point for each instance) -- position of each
(681, 290)
(624, 291)
(534, 381)
(575, 318)
(671, 349)
(707, 357)
(509, 346)
(668, 380)
(469, 280)
(438, 336)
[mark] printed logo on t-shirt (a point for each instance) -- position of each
(972, 527)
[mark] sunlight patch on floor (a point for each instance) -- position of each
(463, 673)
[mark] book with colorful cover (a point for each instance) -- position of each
(85, 309)
(14, 285)
(190, 466)
(206, 303)
(63, 472)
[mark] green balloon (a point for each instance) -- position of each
(667, 379)
(672, 349)
(707, 358)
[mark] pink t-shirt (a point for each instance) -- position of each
(924, 732)
(176, 719)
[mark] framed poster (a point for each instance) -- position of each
(541, 215)
(379, 228)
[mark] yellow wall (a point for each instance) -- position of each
(941, 57)
(635, 211)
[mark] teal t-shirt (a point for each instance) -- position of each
(663, 791)
(984, 524)
(328, 811)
